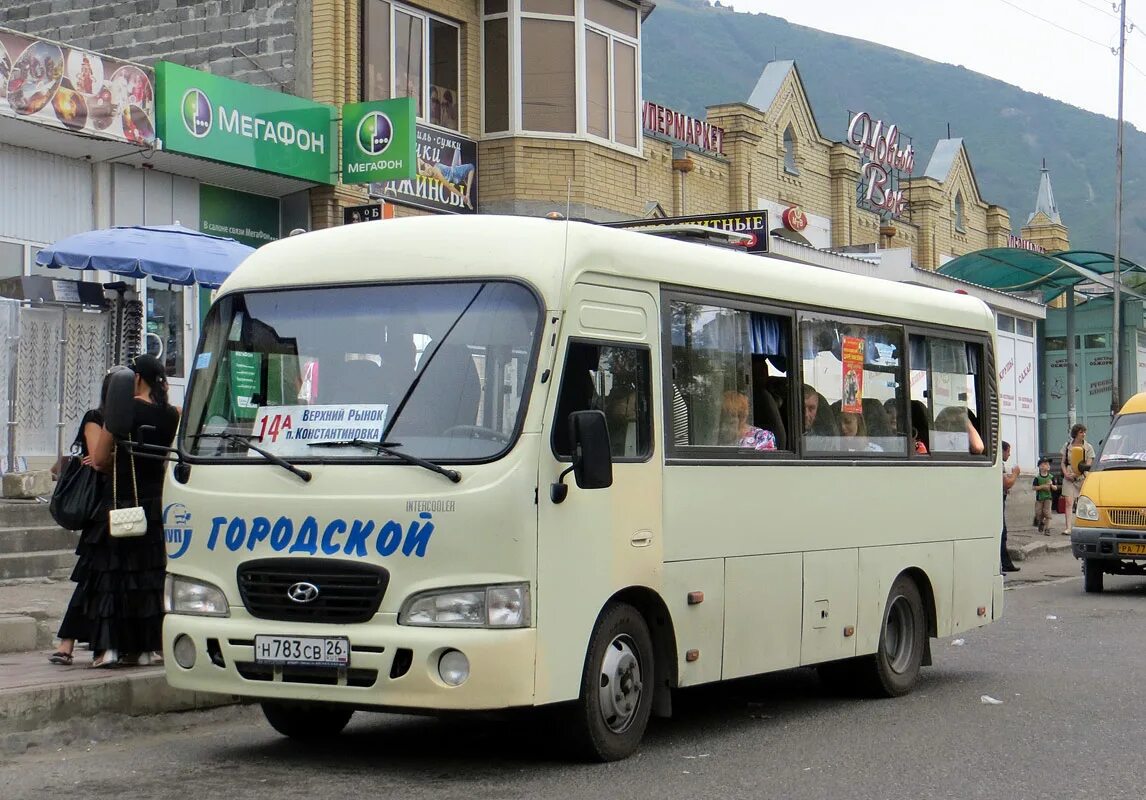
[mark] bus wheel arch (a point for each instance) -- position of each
(894, 668)
(657, 617)
(931, 614)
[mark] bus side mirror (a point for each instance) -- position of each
(119, 407)
(592, 455)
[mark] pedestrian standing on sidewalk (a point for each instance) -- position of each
(1071, 477)
(1043, 484)
(1010, 476)
(73, 627)
(123, 604)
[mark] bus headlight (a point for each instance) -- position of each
(504, 606)
(187, 596)
(1086, 509)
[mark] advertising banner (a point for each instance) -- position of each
(203, 115)
(76, 90)
(378, 141)
(1025, 376)
(852, 354)
(753, 223)
(251, 219)
(447, 176)
(1006, 374)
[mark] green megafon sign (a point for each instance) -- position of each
(378, 141)
(203, 115)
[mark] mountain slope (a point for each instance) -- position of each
(695, 55)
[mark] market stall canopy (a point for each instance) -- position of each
(1011, 269)
(169, 253)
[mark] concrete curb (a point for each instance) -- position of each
(1034, 549)
(136, 692)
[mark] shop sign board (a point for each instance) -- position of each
(753, 223)
(683, 128)
(378, 141)
(1020, 243)
(204, 115)
(367, 213)
(794, 219)
(883, 164)
(76, 90)
(447, 175)
(250, 219)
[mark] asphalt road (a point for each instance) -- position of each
(1068, 667)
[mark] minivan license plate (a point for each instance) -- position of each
(309, 651)
(1131, 549)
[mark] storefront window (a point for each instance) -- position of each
(165, 337)
(408, 53)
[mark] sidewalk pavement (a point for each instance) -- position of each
(35, 694)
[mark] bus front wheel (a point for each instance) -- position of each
(1092, 575)
(307, 722)
(616, 697)
(893, 668)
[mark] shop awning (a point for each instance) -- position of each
(169, 253)
(1011, 269)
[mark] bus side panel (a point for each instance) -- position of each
(762, 614)
(831, 593)
(976, 573)
(878, 569)
(698, 627)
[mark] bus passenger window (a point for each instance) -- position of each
(729, 379)
(616, 381)
(854, 393)
(945, 378)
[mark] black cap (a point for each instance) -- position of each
(150, 369)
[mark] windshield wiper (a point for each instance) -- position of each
(387, 449)
(271, 457)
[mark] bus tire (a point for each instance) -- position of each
(617, 686)
(307, 722)
(891, 671)
(1092, 576)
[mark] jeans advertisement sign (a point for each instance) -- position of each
(447, 175)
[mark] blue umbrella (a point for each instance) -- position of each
(169, 253)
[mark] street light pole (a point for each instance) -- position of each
(1116, 339)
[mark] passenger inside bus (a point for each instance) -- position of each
(735, 429)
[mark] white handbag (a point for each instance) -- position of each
(125, 522)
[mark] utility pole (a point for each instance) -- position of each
(1116, 338)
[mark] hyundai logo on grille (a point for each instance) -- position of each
(303, 592)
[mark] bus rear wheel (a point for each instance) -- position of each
(616, 698)
(307, 722)
(892, 670)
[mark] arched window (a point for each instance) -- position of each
(790, 151)
(959, 212)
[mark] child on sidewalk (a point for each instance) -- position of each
(1043, 485)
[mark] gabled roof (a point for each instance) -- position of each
(768, 86)
(943, 158)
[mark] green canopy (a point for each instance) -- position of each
(1010, 269)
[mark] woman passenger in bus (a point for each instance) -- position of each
(734, 427)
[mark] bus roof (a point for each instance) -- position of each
(553, 254)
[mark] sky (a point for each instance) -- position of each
(1069, 54)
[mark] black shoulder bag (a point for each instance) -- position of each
(78, 494)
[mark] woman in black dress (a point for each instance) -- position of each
(73, 628)
(123, 599)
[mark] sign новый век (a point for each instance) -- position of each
(378, 141)
(200, 114)
(882, 163)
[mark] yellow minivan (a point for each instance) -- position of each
(1110, 522)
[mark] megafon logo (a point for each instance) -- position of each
(197, 114)
(375, 132)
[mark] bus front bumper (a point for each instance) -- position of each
(391, 666)
(1110, 544)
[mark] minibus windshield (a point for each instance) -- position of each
(440, 370)
(1125, 445)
